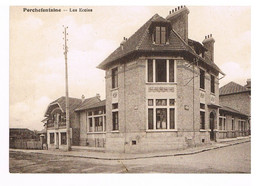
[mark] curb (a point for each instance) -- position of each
(152, 156)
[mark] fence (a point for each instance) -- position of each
(25, 144)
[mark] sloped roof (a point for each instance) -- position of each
(228, 109)
(141, 41)
(232, 88)
(94, 105)
(74, 103)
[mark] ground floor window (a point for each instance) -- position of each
(51, 138)
(63, 136)
(233, 124)
(115, 120)
(202, 120)
(222, 122)
(202, 116)
(96, 120)
(161, 115)
(99, 124)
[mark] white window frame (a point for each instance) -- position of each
(167, 70)
(168, 107)
(223, 122)
(103, 115)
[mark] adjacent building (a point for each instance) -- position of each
(55, 121)
(237, 98)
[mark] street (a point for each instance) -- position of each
(231, 159)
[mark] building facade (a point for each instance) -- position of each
(237, 97)
(162, 88)
(55, 121)
(162, 93)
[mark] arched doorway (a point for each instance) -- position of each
(212, 125)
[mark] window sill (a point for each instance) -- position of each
(161, 83)
(113, 89)
(213, 94)
(203, 90)
(96, 132)
(203, 130)
(115, 131)
(163, 130)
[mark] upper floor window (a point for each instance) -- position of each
(202, 79)
(160, 36)
(212, 83)
(114, 78)
(160, 70)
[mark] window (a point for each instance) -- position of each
(202, 79)
(150, 102)
(161, 115)
(114, 78)
(171, 70)
(150, 118)
(160, 35)
(90, 125)
(51, 138)
(212, 84)
(97, 120)
(233, 123)
(202, 116)
(202, 120)
(222, 122)
(63, 136)
(161, 102)
(150, 70)
(115, 120)
(160, 70)
(172, 118)
(99, 124)
(115, 106)
(161, 118)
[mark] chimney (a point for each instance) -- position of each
(82, 98)
(208, 43)
(179, 21)
(123, 42)
(98, 95)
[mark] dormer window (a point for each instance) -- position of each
(160, 35)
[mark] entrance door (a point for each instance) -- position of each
(211, 122)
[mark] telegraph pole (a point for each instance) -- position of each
(67, 90)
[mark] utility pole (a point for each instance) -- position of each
(67, 90)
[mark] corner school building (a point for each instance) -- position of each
(162, 92)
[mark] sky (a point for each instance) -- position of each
(37, 61)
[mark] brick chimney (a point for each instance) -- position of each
(208, 43)
(179, 21)
(98, 95)
(82, 98)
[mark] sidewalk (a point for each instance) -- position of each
(120, 156)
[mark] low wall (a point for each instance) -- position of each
(25, 144)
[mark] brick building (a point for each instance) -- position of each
(162, 88)
(237, 97)
(55, 121)
(162, 93)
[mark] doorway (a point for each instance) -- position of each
(212, 126)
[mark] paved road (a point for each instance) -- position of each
(232, 159)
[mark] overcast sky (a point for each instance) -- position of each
(37, 61)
